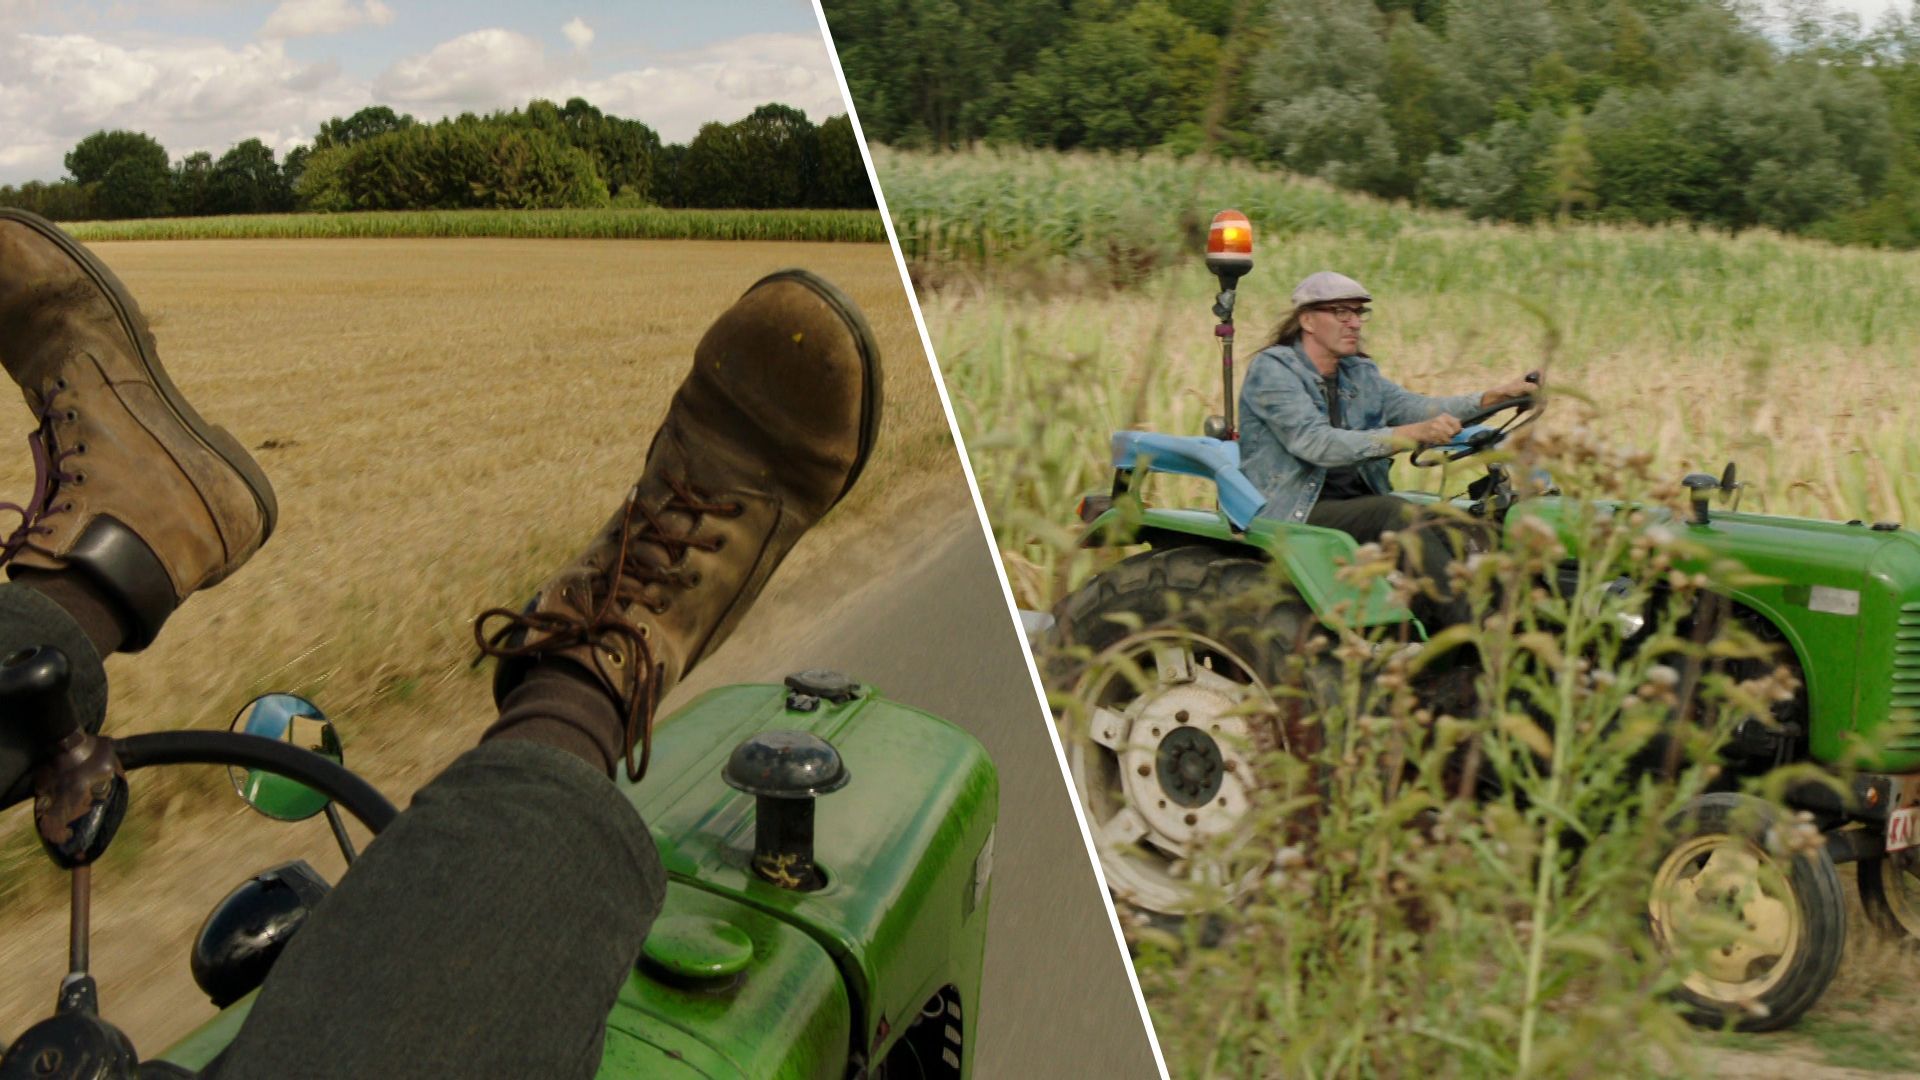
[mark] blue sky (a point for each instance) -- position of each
(205, 74)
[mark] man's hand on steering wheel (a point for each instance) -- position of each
(1520, 387)
(1431, 432)
(1518, 398)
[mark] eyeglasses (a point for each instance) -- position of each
(1347, 313)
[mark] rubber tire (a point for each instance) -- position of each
(1880, 909)
(1815, 884)
(1227, 595)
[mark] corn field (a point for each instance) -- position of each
(859, 226)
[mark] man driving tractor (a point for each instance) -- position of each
(1321, 423)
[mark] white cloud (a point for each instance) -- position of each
(722, 81)
(190, 95)
(304, 18)
(579, 33)
(501, 69)
(485, 69)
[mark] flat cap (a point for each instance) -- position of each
(1326, 287)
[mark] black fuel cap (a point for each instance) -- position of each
(785, 765)
(785, 771)
(821, 683)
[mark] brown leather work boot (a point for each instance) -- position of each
(132, 487)
(767, 432)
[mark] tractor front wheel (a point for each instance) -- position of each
(1756, 930)
(1890, 892)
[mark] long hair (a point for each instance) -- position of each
(1289, 330)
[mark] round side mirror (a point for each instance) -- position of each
(289, 719)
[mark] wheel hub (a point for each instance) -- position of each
(1721, 897)
(1165, 765)
(1191, 767)
(1184, 762)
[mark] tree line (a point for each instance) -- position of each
(543, 156)
(1610, 110)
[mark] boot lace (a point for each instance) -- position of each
(526, 634)
(49, 475)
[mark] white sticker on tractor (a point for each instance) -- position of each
(1900, 829)
(1835, 601)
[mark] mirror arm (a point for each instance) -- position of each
(340, 834)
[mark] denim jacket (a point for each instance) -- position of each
(1286, 443)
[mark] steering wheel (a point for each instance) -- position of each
(79, 787)
(1476, 435)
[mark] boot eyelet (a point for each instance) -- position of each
(72, 415)
(719, 542)
(79, 478)
(79, 448)
(693, 579)
(619, 661)
(60, 383)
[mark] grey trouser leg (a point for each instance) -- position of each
(485, 933)
(1433, 540)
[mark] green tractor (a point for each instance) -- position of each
(1168, 711)
(829, 856)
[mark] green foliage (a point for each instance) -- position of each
(372, 121)
(90, 159)
(61, 201)
(774, 157)
(545, 156)
(842, 176)
(1688, 110)
(459, 164)
(129, 169)
(247, 180)
(192, 184)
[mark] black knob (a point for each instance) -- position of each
(1699, 487)
(33, 685)
(785, 765)
(785, 771)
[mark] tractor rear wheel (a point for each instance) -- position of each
(1180, 673)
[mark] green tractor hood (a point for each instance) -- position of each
(1845, 596)
(741, 978)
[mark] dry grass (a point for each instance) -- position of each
(444, 422)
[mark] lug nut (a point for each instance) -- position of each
(1146, 770)
(1181, 716)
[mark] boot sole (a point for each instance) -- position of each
(871, 381)
(216, 439)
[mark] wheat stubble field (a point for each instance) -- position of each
(444, 422)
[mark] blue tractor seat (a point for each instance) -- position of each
(1194, 455)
